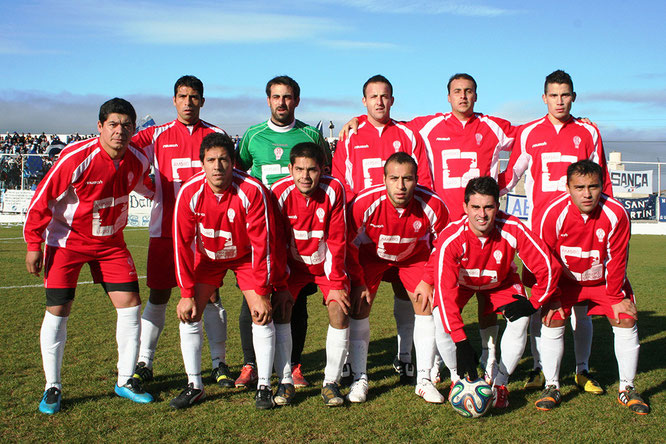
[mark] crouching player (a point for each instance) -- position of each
(80, 210)
(589, 233)
(476, 254)
(312, 211)
(221, 223)
(392, 226)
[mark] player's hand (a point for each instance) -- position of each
(466, 360)
(341, 297)
(624, 306)
(34, 261)
(554, 306)
(586, 120)
(517, 309)
(423, 294)
(261, 310)
(282, 302)
(186, 310)
(348, 128)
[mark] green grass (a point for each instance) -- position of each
(393, 413)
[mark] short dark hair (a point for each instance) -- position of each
(585, 167)
(401, 158)
(484, 185)
(117, 106)
(309, 150)
(214, 140)
(460, 75)
(377, 79)
(558, 76)
(284, 80)
(191, 82)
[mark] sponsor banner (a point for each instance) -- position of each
(662, 209)
(518, 205)
(16, 201)
(139, 210)
(631, 181)
(640, 209)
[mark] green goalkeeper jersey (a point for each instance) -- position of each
(265, 147)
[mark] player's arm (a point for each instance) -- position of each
(336, 242)
(184, 232)
(618, 255)
(340, 165)
(244, 157)
(600, 158)
(260, 226)
(424, 168)
(326, 148)
(351, 127)
(518, 164)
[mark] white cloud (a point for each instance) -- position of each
(655, 97)
(453, 7)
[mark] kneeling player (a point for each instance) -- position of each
(312, 212)
(392, 226)
(589, 233)
(476, 254)
(221, 222)
(80, 209)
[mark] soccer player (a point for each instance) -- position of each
(173, 149)
(221, 223)
(392, 226)
(476, 254)
(589, 232)
(312, 210)
(359, 163)
(544, 150)
(264, 151)
(80, 211)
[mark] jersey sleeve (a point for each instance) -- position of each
(336, 240)
(339, 167)
(419, 153)
(518, 164)
(447, 268)
(600, 157)
(144, 140)
(184, 232)
(328, 157)
(618, 254)
(244, 158)
(279, 243)
(260, 227)
(354, 228)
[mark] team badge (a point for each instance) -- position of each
(130, 176)
(600, 234)
(498, 256)
(231, 214)
(320, 215)
(417, 225)
(518, 288)
(396, 145)
(278, 151)
(479, 138)
(576, 141)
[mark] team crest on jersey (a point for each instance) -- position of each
(600, 234)
(396, 145)
(320, 215)
(130, 176)
(498, 256)
(576, 141)
(417, 225)
(231, 214)
(278, 151)
(479, 138)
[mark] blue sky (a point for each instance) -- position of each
(62, 59)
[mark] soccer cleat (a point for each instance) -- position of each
(358, 391)
(629, 397)
(587, 384)
(284, 394)
(297, 375)
(50, 403)
(331, 395)
(248, 376)
(263, 400)
(427, 390)
(142, 372)
(222, 376)
(405, 370)
(535, 380)
(549, 398)
(451, 389)
(133, 390)
(346, 378)
(500, 397)
(187, 397)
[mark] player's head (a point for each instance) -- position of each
(188, 99)
(481, 204)
(585, 180)
(306, 161)
(558, 95)
(462, 95)
(217, 156)
(116, 125)
(400, 178)
(378, 99)
(283, 95)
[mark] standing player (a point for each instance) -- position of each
(589, 231)
(264, 151)
(221, 223)
(392, 226)
(476, 254)
(312, 210)
(359, 163)
(544, 150)
(173, 149)
(80, 211)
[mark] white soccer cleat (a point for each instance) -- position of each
(427, 390)
(358, 391)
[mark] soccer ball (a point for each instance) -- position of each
(471, 399)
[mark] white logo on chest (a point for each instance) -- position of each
(417, 225)
(600, 234)
(576, 141)
(278, 153)
(320, 215)
(396, 145)
(231, 214)
(498, 256)
(479, 138)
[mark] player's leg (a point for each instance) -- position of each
(581, 326)
(488, 330)
(248, 375)
(512, 347)
(536, 379)
(552, 349)
(403, 313)
(359, 341)
(446, 347)
(215, 325)
(337, 345)
(626, 353)
(282, 316)
(299, 330)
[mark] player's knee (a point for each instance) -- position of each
(553, 322)
(336, 316)
(624, 322)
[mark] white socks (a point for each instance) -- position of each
(424, 342)
(552, 349)
(263, 339)
(535, 339)
(128, 334)
(191, 338)
(52, 338)
(359, 340)
(626, 353)
(283, 346)
(488, 358)
(446, 347)
(513, 343)
(215, 324)
(337, 344)
(403, 311)
(152, 324)
(581, 325)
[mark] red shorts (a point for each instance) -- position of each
(161, 266)
(299, 280)
(572, 293)
(494, 298)
(212, 273)
(111, 265)
(410, 272)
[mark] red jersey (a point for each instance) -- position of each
(594, 248)
(459, 151)
(359, 158)
(226, 227)
(544, 154)
(463, 259)
(82, 201)
(315, 228)
(380, 231)
(173, 149)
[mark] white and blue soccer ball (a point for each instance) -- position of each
(471, 399)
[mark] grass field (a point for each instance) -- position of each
(393, 413)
